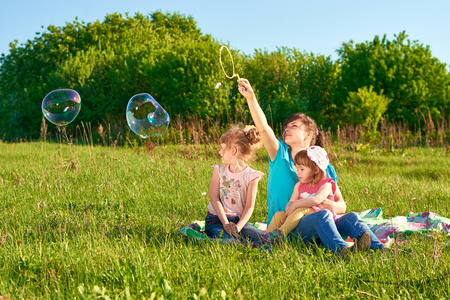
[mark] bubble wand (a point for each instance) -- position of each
(232, 63)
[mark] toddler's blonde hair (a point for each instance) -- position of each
(246, 140)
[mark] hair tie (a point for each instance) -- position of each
(317, 131)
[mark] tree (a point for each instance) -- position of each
(107, 63)
(317, 78)
(289, 81)
(402, 70)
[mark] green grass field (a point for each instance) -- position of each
(85, 222)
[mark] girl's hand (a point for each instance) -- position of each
(227, 228)
(289, 204)
(245, 88)
(235, 230)
(290, 207)
(230, 228)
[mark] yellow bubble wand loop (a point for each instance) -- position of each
(232, 63)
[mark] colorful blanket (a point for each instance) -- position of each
(419, 223)
(386, 229)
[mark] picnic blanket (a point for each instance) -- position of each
(385, 229)
(419, 223)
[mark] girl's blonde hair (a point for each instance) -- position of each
(301, 158)
(246, 140)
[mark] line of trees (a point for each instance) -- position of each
(167, 56)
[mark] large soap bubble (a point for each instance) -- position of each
(146, 117)
(61, 106)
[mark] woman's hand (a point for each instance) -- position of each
(327, 204)
(245, 88)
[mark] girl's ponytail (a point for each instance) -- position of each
(252, 135)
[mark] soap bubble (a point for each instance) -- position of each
(61, 106)
(146, 117)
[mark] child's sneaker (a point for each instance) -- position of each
(275, 236)
(194, 234)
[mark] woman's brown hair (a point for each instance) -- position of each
(310, 126)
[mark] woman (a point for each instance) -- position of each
(300, 131)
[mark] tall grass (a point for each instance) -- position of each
(95, 220)
(194, 130)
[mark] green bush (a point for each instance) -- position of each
(365, 107)
(108, 63)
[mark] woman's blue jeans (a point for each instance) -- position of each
(321, 225)
(214, 228)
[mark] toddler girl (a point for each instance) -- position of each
(309, 192)
(233, 187)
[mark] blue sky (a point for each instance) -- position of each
(318, 26)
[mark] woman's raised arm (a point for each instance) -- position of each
(267, 135)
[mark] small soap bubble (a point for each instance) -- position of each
(61, 107)
(146, 117)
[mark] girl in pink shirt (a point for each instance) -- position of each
(311, 190)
